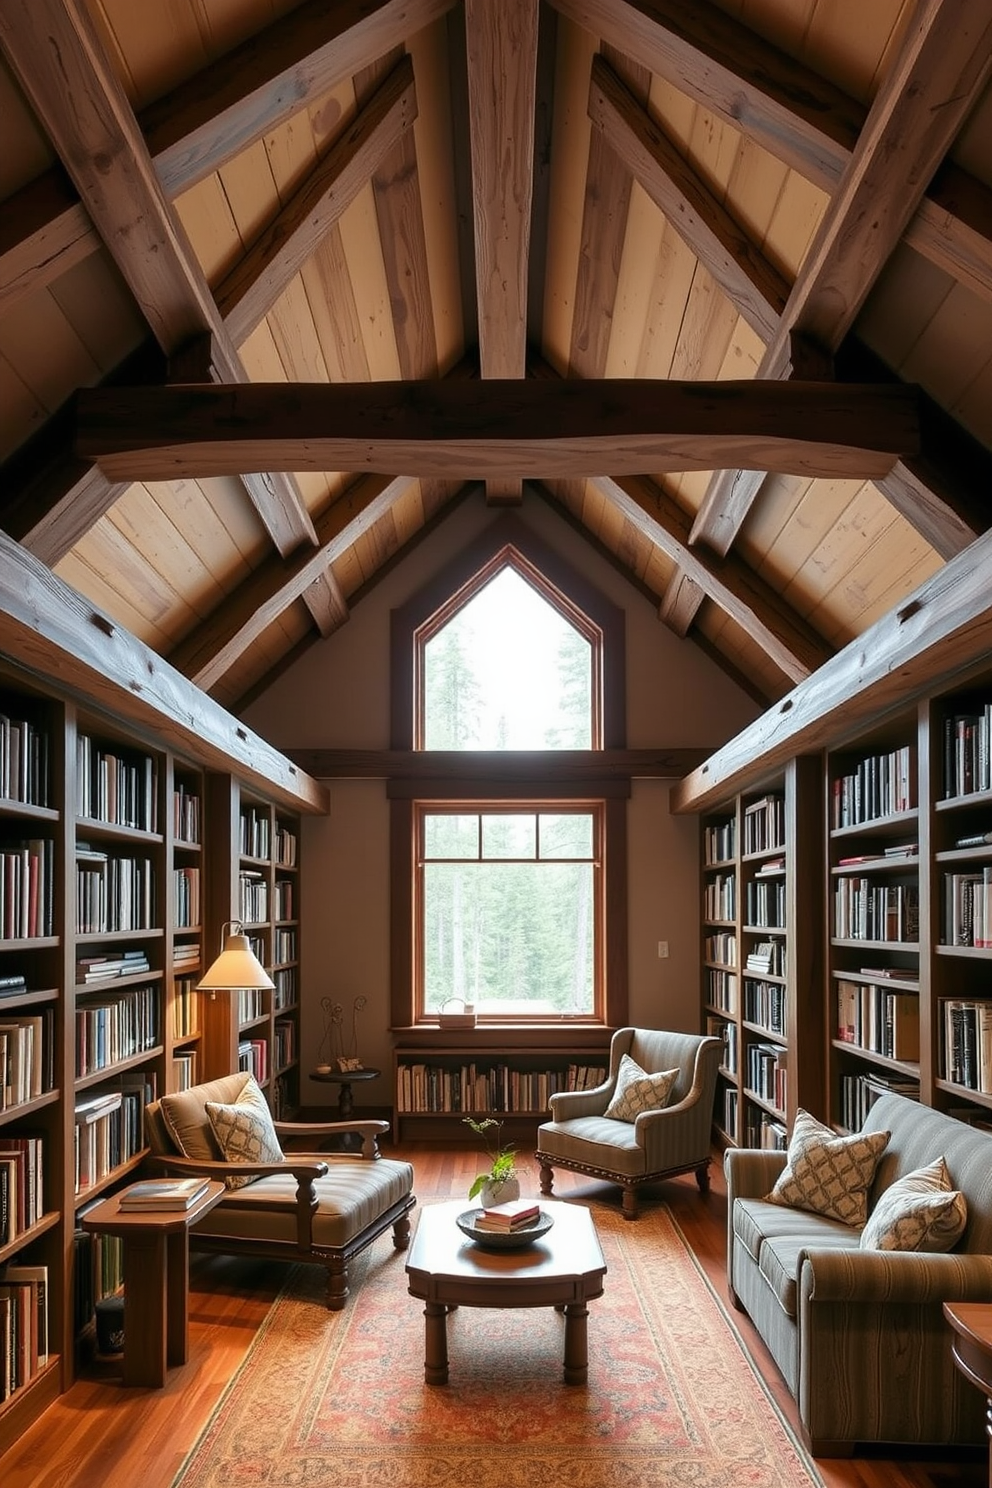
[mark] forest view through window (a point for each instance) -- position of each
(508, 893)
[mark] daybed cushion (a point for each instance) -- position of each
(828, 1174)
(184, 1115)
(637, 1091)
(920, 1211)
(352, 1194)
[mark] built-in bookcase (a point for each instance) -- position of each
(761, 940)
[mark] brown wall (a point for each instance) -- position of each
(337, 696)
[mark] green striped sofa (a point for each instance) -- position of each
(859, 1335)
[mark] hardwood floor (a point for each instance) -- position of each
(99, 1435)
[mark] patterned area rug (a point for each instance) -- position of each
(339, 1398)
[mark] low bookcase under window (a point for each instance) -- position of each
(437, 1087)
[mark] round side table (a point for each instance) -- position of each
(345, 1078)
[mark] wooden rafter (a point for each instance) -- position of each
(941, 68)
(790, 642)
(59, 62)
(471, 429)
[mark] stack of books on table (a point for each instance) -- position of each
(162, 1193)
(513, 1215)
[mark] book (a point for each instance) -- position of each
(163, 1193)
(977, 839)
(509, 1216)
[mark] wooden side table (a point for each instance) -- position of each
(345, 1078)
(972, 1350)
(156, 1281)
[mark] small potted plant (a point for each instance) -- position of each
(499, 1183)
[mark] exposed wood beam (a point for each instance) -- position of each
(681, 602)
(790, 642)
(744, 274)
(472, 429)
(44, 231)
(953, 228)
(928, 91)
(58, 634)
(945, 625)
(513, 764)
(219, 641)
(252, 287)
(59, 61)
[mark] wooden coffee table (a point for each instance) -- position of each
(564, 1269)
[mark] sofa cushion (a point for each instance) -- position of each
(828, 1174)
(757, 1220)
(184, 1115)
(244, 1131)
(781, 1258)
(918, 1212)
(637, 1091)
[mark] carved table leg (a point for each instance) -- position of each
(576, 1343)
(436, 1343)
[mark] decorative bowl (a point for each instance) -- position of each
(503, 1239)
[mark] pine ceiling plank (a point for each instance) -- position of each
(953, 228)
(210, 225)
(367, 270)
(100, 311)
(456, 427)
(21, 411)
(165, 547)
(952, 350)
(61, 66)
(707, 326)
(280, 251)
(214, 647)
(677, 190)
(83, 569)
(795, 647)
(501, 47)
(673, 276)
(46, 352)
(131, 576)
(942, 626)
(295, 337)
(336, 317)
(399, 212)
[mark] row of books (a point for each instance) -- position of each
(762, 1130)
(284, 899)
(184, 1066)
(286, 846)
(116, 1028)
(765, 903)
(97, 1270)
(727, 1032)
(968, 908)
(858, 1093)
(729, 1113)
(119, 788)
(968, 1044)
(254, 832)
(284, 945)
(22, 1200)
(253, 1058)
(186, 819)
(879, 785)
(721, 989)
(253, 897)
(109, 1127)
(878, 1019)
(764, 824)
(186, 892)
(719, 841)
(284, 1030)
(185, 1007)
(27, 889)
(113, 894)
(865, 909)
(27, 1054)
(967, 766)
(721, 947)
(720, 897)
(185, 953)
(765, 1004)
(25, 763)
(472, 1088)
(251, 1004)
(767, 1073)
(285, 995)
(23, 1325)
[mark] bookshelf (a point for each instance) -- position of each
(762, 954)
(253, 878)
(436, 1085)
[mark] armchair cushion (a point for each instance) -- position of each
(828, 1174)
(244, 1131)
(918, 1212)
(637, 1091)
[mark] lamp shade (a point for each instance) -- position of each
(236, 968)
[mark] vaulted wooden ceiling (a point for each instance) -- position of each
(712, 277)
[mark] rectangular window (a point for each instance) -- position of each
(509, 910)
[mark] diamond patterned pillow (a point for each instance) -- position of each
(638, 1091)
(828, 1174)
(244, 1131)
(919, 1212)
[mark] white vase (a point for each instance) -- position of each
(499, 1193)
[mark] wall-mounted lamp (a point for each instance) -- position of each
(237, 968)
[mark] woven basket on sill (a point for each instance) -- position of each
(464, 1018)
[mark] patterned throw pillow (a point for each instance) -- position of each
(828, 1174)
(638, 1091)
(919, 1212)
(244, 1131)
